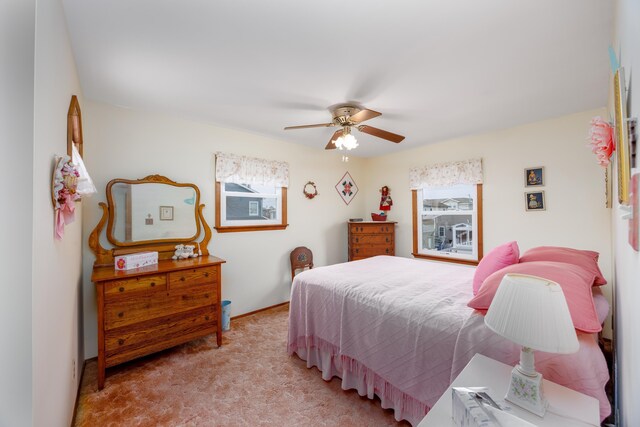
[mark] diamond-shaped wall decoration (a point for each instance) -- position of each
(347, 188)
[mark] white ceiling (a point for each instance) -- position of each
(436, 69)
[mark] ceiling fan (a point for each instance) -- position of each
(347, 117)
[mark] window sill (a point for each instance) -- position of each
(240, 228)
(446, 259)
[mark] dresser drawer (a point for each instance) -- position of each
(125, 287)
(150, 306)
(193, 276)
(174, 328)
(371, 239)
(371, 228)
(368, 251)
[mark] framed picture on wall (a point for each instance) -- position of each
(621, 137)
(347, 188)
(534, 201)
(534, 177)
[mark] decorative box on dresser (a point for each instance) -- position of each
(371, 238)
(151, 308)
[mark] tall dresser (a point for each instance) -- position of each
(371, 238)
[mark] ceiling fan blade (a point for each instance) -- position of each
(393, 137)
(320, 125)
(332, 142)
(363, 115)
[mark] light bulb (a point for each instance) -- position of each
(349, 142)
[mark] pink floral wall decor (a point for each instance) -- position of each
(601, 140)
(63, 193)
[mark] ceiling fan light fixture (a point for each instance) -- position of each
(346, 141)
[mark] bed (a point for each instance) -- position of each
(400, 329)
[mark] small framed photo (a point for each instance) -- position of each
(534, 201)
(166, 213)
(534, 177)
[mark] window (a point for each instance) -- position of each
(253, 208)
(251, 194)
(250, 207)
(447, 211)
(448, 223)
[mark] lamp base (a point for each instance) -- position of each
(526, 392)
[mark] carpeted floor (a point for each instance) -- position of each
(250, 380)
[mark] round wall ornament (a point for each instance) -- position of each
(310, 191)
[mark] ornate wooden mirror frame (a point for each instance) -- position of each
(164, 247)
(74, 127)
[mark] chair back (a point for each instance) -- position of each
(301, 258)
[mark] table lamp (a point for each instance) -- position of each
(533, 312)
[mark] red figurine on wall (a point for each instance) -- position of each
(385, 199)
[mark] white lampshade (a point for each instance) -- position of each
(533, 312)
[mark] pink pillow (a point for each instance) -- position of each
(585, 259)
(575, 282)
(497, 259)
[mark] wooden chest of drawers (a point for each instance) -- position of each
(148, 309)
(371, 238)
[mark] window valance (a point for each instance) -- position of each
(446, 174)
(251, 170)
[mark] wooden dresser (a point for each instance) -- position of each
(152, 308)
(371, 238)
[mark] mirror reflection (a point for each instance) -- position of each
(153, 211)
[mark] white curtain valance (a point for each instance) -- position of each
(446, 174)
(251, 170)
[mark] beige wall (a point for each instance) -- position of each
(17, 24)
(574, 186)
(57, 265)
(627, 261)
(128, 144)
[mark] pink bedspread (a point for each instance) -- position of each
(400, 328)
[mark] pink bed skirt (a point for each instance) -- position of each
(356, 376)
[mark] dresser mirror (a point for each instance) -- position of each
(150, 214)
(151, 211)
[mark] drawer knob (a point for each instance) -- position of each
(206, 295)
(387, 240)
(357, 250)
(121, 314)
(182, 279)
(206, 274)
(120, 341)
(357, 240)
(387, 250)
(152, 284)
(121, 289)
(206, 317)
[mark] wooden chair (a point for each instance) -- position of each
(301, 258)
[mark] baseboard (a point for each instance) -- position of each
(75, 405)
(260, 310)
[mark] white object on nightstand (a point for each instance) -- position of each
(567, 408)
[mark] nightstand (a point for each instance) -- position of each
(482, 371)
